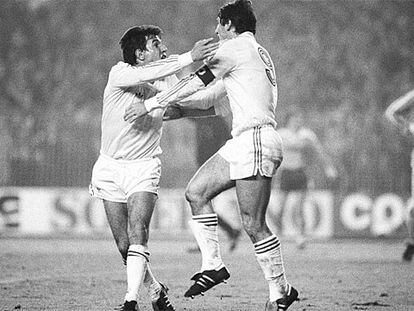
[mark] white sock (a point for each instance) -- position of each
(136, 269)
(205, 231)
(152, 285)
(269, 257)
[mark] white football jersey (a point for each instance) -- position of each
(119, 138)
(214, 95)
(249, 80)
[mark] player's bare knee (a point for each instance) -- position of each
(195, 196)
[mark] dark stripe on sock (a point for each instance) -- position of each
(209, 221)
(265, 246)
(138, 254)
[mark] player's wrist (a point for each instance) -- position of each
(185, 59)
(151, 104)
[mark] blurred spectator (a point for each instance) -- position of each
(401, 114)
(299, 144)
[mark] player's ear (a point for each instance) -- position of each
(228, 25)
(140, 54)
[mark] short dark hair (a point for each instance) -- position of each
(136, 38)
(241, 15)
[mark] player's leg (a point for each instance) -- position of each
(299, 216)
(117, 215)
(140, 207)
(104, 187)
(233, 233)
(409, 249)
(253, 195)
(158, 292)
(284, 186)
(211, 179)
(279, 214)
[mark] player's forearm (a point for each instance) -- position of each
(396, 118)
(175, 112)
(184, 88)
(205, 98)
(197, 113)
(402, 104)
(135, 75)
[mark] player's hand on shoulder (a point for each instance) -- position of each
(135, 110)
(204, 49)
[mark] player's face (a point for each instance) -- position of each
(222, 31)
(155, 49)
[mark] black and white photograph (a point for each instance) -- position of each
(207, 155)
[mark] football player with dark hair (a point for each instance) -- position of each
(244, 72)
(127, 172)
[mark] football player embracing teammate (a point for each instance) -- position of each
(244, 72)
(127, 172)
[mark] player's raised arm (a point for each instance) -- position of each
(128, 75)
(221, 63)
(398, 111)
(203, 103)
(205, 98)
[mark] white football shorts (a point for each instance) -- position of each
(115, 180)
(254, 151)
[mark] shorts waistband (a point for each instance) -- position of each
(260, 126)
(123, 161)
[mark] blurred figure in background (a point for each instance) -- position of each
(401, 114)
(127, 173)
(299, 144)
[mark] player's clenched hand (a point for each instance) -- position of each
(204, 49)
(172, 112)
(134, 111)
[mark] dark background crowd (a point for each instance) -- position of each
(340, 62)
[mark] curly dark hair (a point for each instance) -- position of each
(241, 15)
(136, 38)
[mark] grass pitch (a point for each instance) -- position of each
(88, 274)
